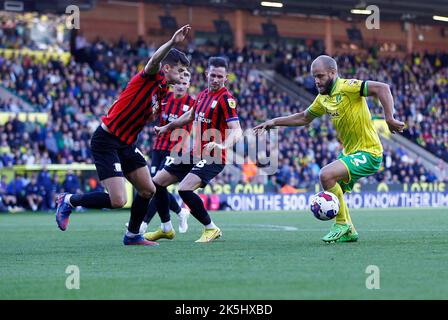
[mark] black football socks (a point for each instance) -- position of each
(194, 202)
(93, 200)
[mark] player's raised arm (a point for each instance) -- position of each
(184, 119)
(295, 120)
(153, 65)
(382, 92)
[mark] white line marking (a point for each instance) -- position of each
(268, 227)
(271, 227)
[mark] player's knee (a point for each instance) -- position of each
(160, 182)
(148, 192)
(118, 202)
(325, 177)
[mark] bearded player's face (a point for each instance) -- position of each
(173, 73)
(323, 78)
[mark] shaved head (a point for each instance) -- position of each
(326, 62)
(324, 70)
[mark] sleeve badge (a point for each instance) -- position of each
(232, 103)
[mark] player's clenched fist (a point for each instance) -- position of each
(395, 125)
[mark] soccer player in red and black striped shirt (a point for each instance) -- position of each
(217, 129)
(175, 105)
(113, 143)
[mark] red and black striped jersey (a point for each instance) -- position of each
(171, 109)
(134, 107)
(213, 110)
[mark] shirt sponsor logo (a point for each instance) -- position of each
(333, 114)
(200, 117)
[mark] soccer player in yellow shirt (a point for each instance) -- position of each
(344, 100)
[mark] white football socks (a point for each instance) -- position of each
(166, 226)
(67, 199)
(130, 234)
(211, 225)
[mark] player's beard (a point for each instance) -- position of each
(328, 86)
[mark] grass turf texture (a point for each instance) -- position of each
(262, 255)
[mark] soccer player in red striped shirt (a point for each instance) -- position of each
(175, 105)
(113, 144)
(217, 129)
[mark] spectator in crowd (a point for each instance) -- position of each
(71, 183)
(44, 181)
(9, 200)
(16, 188)
(34, 194)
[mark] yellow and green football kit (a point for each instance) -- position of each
(362, 154)
(347, 107)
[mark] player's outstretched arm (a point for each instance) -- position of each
(184, 119)
(153, 65)
(295, 120)
(382, 92)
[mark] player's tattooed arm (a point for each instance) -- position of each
(153, 65)
(295, 120)
(184, 119)
(382, 92)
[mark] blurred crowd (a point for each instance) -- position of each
(32, 31)
(76, 95)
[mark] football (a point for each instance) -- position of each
(324, 205)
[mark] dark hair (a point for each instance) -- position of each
(175, 56)
(217, 62)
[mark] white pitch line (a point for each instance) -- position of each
(269, 227)
(272, 227)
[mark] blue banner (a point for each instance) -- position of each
(300, 201)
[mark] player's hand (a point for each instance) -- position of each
(160, 130)
(395, 125)
(212, 145)
(180, 34)
(261, 128)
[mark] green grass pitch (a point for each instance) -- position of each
(262, 255)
